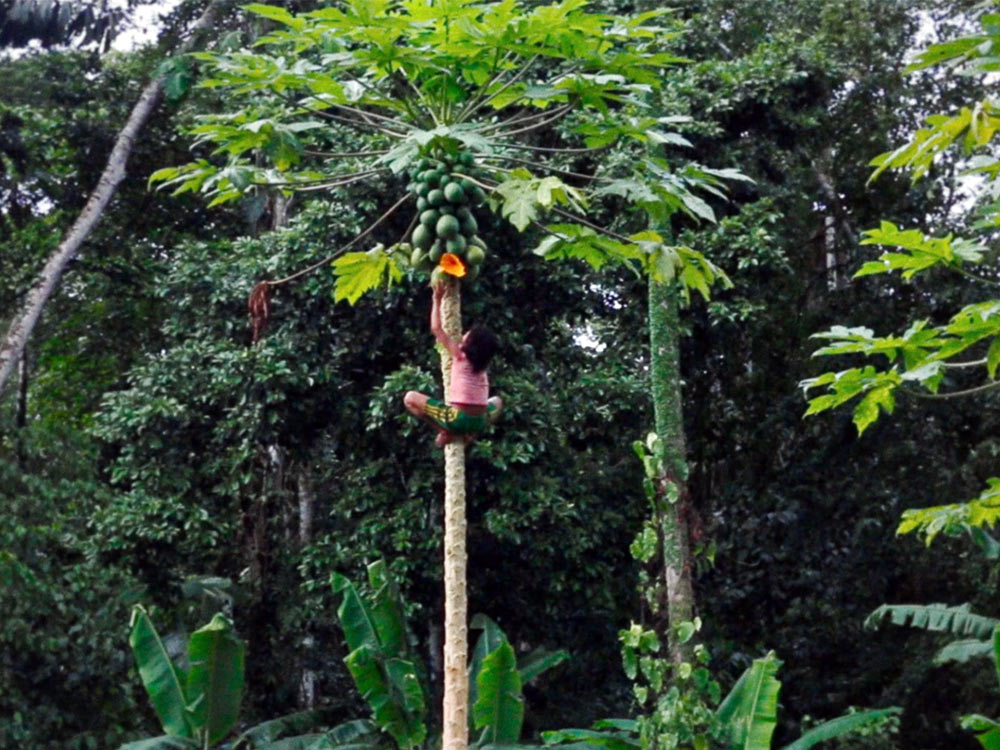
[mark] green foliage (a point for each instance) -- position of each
(391, 685)
(214, 686)
(499, 706)
(750, 710)
(935, 617)
(198, 705)
(163, 681)
(974, 517)
(452, 70)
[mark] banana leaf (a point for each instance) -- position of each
(749, 713)
(964, 650)
(387, 611)
(159, 675)
(840, 726)
(538, 661)
(935, 617)
(389, 703)
(359, 734)
(215, 680)
(269, 731)
(298, 742)
(499, 707)
(355, 616)
(489, 641)
(988, 730)
(592, 738)
(161, 743)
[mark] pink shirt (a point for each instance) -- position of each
(467, 387)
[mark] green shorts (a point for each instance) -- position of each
(453, 419)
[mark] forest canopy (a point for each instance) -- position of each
(741, 262)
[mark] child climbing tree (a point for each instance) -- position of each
(447, 99)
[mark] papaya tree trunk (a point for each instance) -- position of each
(455, 734)
(672, 503)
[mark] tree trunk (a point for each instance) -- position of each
(455, 735)
(665, 382)
(114, 172)
(307, 504)
(21, 415)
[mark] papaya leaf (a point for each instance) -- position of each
(215, 680)
(842, 725)
(978, 514)
(163, 682)
(749, 713)
(358, 273)
(938, 618)
(499, 708)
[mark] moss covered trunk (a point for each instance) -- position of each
(456, 678)
(671, 490)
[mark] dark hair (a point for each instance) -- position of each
(479, 347)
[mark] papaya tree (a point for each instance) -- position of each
(444, 103)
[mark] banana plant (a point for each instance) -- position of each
(747, 718)
(982, 639)
(394, 684)
(197, 698)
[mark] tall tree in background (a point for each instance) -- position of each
(24, 321)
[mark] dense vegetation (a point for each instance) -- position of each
(151, 454)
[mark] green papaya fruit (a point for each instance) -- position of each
(429, 217)
(454, 193)
(456, 244)
(422, 237)
(447, 226)
(436, 198)
(469, 226)
(436, 251)
(475, 255)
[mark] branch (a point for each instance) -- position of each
(523, 118)
(338, 118)
(346, 247)
(975, 277)
(552, 169)
(472, 107)
(343, 154)
(558, 114)
(972, 363)
(953, 394)
(553, 150)
(595, 227)
(477, 94)
(350, 177)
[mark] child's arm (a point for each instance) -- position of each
(443, 338)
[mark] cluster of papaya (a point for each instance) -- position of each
(446, 194)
